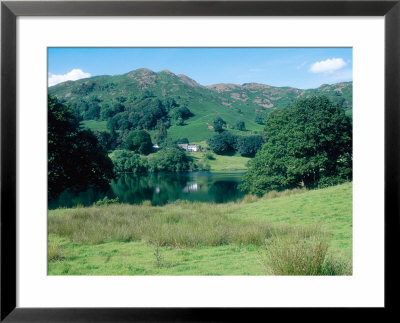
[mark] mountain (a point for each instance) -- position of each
(144, 99)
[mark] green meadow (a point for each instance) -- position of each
(95, 125)
(221, 163)
(298, 232)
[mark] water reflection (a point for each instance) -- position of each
(191, 188)
(161, 189)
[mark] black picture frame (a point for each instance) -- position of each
(10, 10)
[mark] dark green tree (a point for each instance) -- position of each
(180, 112)
(76, 161)
(223, 143)
(126, 161)
(139, 141)
(309, 143)
(171, 159)
(161, 135)
(104, 139)
(218, 124)
(260, 117)
(240, 125)
(248, 146)
(180, 122)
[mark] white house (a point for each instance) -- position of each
(191, 148)
(188, 147)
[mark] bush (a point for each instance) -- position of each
(209, 156)
(293, 256)
(54, 251)
(336, 267)
(126, 161)
(106, 201)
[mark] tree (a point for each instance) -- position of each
(104, 139)
(309, 143)
(162, 133)
(223, 143)
(180, 112)
(139, 141)
(76, 161)
(218, 124)
(240, 125)
(248, 146)
(260, 117)
(126, 161)
(171, 159)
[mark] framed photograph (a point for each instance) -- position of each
(175, 160)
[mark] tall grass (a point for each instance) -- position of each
(250, 198)
(182, 224)
(54, 251)
(297, 255)
(276, 226)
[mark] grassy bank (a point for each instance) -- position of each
(223, 164)
(95, 125)
(201, 238)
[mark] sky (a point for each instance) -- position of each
(302, 68)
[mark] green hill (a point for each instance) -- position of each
(143, 98)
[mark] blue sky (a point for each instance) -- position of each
(296, 67)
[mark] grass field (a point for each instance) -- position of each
(199, 238)
(95, 125)
(223, 163)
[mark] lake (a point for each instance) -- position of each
(161, 189)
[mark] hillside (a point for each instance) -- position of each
(144, 99)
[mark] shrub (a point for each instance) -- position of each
(128, 162)
(291, 255)
(209, 156)
(106, 201)
(54, 251)
(334, 266)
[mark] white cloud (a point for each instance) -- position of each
(73, 75)
(328, 66)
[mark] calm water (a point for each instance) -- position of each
(161, 189)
